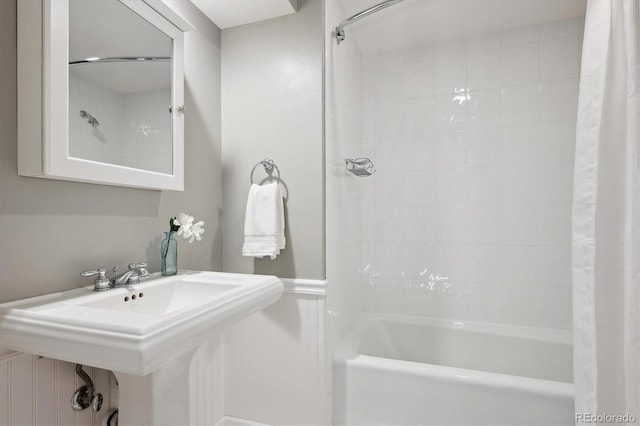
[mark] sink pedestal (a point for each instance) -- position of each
(162, 397)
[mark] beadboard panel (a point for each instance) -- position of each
(5, 395)
(207, 377)
(22, 391)
(45, 391)
(37, 391)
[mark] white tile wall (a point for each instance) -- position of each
(134, 131)
(469, 214)
(146, 135)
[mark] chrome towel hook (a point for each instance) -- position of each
(268, 165)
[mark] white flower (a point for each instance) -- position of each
(196, 230)
(188, 229)
(184, 221)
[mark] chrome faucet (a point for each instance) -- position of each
(131, 276)
(101, 282)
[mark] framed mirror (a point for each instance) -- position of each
(101, 92)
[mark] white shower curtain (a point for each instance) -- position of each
(606, 213)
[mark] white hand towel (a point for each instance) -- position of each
(264, 222)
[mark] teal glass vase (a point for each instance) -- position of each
(169, 255)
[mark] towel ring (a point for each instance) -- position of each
(268, 165)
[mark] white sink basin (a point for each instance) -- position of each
(134, 329)
(160, 300)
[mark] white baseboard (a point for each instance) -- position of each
(303, 286)
(236, 421)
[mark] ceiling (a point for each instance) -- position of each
(416, 22)
(231, 13)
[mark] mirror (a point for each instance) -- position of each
(119, 87)
(101, 92)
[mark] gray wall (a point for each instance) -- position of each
(272, 107)
(51, 230)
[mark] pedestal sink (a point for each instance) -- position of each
(146, 333)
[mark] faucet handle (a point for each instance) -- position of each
(101, 272)
(138, 265)
(140, 268)
(101, 282)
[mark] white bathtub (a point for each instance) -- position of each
(394, 370)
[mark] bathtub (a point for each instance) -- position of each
(394, 370)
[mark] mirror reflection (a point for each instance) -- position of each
(119, 87)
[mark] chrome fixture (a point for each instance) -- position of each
(127, 277)
(180, 109)
(121, 59)
(90, 118)
(86, 394)
(101, 283)
(131, 276)
(361, 167)
(140, 268)
(339, 31)
(268, 165)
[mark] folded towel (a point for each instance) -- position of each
(264, 222)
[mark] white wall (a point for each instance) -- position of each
(272, 107)
(274, 363)
(469, 214)
(272, 104)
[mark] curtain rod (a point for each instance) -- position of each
(122, 59)
(339, 31)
